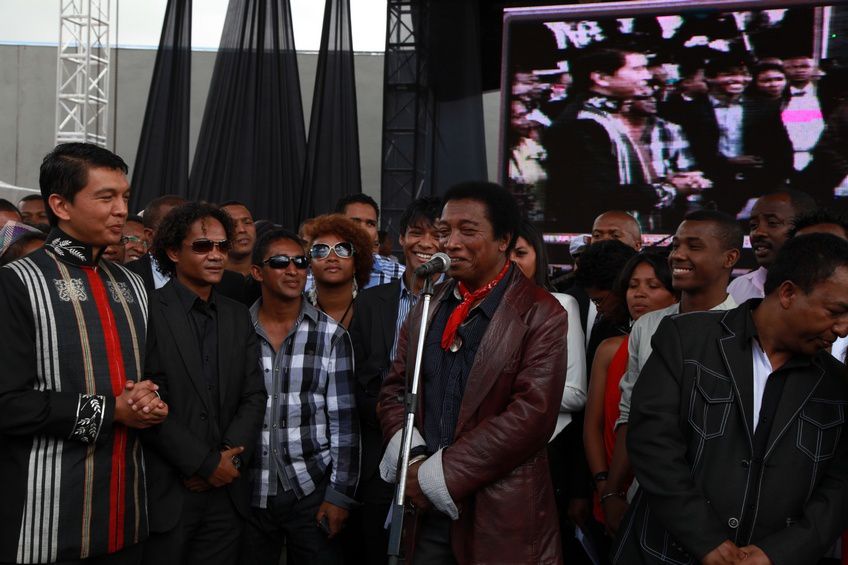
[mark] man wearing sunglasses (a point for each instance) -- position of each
(202, 353)
(307, 454)
(232, 284)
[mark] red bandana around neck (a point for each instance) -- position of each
(468, 298)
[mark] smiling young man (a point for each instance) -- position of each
(202, 352)
(704, 250)
(71, 344)
(736, 434)
(772, 219)
(493, 371)
(135, 244)
(307, 464)
(377, 320)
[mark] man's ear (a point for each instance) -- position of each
(787, 292)
(598, 78)
(59, 205)
(173, 255)
(503, 244)
(731, 256)
(256, 273)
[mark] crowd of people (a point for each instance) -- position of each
(193, 385)
(728, 129)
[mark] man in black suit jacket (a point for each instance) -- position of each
(232, 284)
(736, 426)
(202, 352)
(739, 143)
(379, 314)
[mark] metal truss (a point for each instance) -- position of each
(82, 76)
(407, 110)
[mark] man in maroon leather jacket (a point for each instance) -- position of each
(489, 397)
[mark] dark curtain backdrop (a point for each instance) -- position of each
(458, 136)
(161, 164)
(252, 141)
(332, 155)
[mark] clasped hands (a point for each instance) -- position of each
(729, 554)
(139, 406)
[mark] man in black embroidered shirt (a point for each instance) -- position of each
(592, 161)
(71, 343)
(737, 420)
(202, 352)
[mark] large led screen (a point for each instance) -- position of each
(664, 107)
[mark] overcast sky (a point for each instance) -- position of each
(138, 23)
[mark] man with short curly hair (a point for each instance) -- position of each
(202, 353)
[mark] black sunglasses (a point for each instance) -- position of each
(343, 250)
(207, 245)
(282, 261)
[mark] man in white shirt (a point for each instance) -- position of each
(803, 116)
(704, 250)
(772, 219)
(736, 431)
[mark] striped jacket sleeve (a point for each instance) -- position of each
(31, 398)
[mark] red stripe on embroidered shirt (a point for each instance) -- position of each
(117, 376)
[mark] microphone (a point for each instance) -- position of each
(438, 263)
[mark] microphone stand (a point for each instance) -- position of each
(398, 506)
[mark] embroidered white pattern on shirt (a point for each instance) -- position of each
(72, 289)
(118, 290)
(63, 246)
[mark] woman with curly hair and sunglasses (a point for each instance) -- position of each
(341, 261)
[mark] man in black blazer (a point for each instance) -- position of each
(232, 284)
(740, 143)
(380, 312)
(736, 425)
(202, 352)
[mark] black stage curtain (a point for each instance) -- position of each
(252, 141)
(459, 137)
(332, 156)
(161, 164)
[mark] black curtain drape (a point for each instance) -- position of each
(252, 141)
(161, 164)
(332, 155)
(458, 136)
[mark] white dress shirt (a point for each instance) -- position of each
(804, 123)
(762, 370)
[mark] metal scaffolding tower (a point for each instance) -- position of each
(407, 110)
(82, 77)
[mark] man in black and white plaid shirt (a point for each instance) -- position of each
(307, 461)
